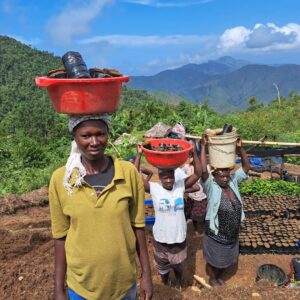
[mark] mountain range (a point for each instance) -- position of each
(227, 83)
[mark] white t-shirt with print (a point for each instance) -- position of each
(170, 222)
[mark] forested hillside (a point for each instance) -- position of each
(227, 86)
(34, 139)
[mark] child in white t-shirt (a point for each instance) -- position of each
(169, 230)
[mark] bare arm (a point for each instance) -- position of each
(146, 185)
(141, 248)
(193, 189)
(137, 161)
(137, 164)
(147, 172)
(191, 180)
(245, 162)
(205, 174)
(60, 269)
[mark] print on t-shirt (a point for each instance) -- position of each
(179, 204)
(165, 205)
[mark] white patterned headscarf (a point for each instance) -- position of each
(74, 160)
(75, 120)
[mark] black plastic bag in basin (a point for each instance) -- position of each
(75, 66)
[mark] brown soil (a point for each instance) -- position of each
(27, 259)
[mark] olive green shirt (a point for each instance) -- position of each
(100, 243)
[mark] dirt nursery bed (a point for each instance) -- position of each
(27, 260)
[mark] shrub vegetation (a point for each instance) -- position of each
(34, 139)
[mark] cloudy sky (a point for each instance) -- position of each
(143, 37)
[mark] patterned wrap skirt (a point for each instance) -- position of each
(219, 255)
(195, 210)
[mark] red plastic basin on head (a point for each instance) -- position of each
(168, 159)
(85, 95)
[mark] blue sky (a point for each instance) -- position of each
(144, 37)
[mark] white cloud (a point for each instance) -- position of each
(234, 36)
(261, 38)
(266, 36)
(74, 20)
(162, 3)
(144, 41)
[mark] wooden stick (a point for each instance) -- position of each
(194, 137)
(202, 281)
(255, 145)
(189, 136)
(270, 143)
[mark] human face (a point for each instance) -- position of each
(167, 179)
(91, 137)
(222, 177)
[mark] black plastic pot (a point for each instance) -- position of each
(272, 273)
(75, 66)
(226, 129)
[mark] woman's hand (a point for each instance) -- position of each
(139, 149)
(146, 287)
(193, 148)
(239, 143)
(241, 151)
(204, 139)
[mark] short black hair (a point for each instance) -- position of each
(165, 171)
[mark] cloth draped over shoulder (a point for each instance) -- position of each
(74, 165)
